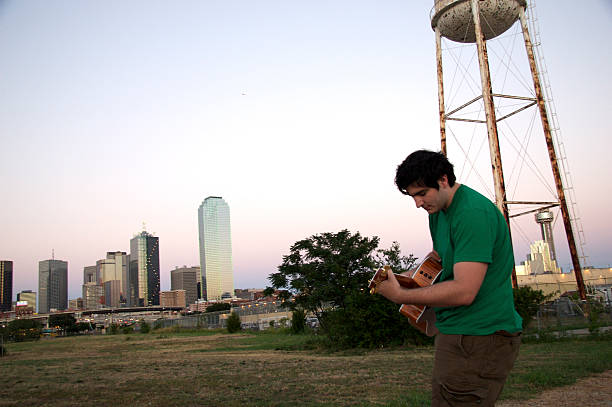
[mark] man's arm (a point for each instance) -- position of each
(462, 290)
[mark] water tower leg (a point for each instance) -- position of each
(553, 156)
(487, 97)
(441, 92)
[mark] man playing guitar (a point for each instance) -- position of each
(479, 329)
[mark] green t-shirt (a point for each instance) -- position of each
(473, 229)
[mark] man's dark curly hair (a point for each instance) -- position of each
(423, 168)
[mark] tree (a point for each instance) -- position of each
(65, 322)
(328, 275)
(20, 330)
(393, 257)
(233, 323)
(322, 270)
(527, 302)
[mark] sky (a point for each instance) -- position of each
(118, 115)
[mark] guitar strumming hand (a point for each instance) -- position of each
(393, 287)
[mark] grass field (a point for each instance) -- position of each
(254, 369)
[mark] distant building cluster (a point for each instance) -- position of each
(122, 279)
(542, 256)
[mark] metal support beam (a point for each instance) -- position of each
(441, 92)
(553, 156)
(487, 95)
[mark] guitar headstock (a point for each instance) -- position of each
(380, 275)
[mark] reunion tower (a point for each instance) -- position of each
(477, 22)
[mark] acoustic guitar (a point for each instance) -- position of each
(421, 317)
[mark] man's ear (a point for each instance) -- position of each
(443, 181)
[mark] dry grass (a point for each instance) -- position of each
(228, 370)
(217, 369)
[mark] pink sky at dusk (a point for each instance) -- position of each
(114, 114)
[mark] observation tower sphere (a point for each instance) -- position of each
(454, 18)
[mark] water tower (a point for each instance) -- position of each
(477, 21)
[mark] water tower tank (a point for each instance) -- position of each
(454, 18)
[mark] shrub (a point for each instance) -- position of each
(233, 323)
(145, 328)
(369, 321)
(298, 321)
(527, 302)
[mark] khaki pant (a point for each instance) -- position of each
(471, 370)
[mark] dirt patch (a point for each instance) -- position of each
(594, 391)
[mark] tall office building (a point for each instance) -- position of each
(143, 270)
(112, 273)
(52, 285)
(92, 290)
(6, 285)
(188, 279)
(215, 249)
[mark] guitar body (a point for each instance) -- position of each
(426, 274)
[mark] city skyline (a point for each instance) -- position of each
(296, 114)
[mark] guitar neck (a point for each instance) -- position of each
(406, 281)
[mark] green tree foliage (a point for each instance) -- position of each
(20, 330)
(370, 321)
(145, 328)
(328, 275)
(233, 323)
(113, 329)
(527, 302)
(393, 257)
(323, 269)
(219, 306)
(298, 321)
(64, 322)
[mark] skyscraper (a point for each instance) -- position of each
(92, 290)
(52, 285)
(188, 279)
(112, 274)
(6, 285)
(215, 249)
(143, 270)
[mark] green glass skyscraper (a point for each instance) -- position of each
(215, 249)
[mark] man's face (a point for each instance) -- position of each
(431, 199)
